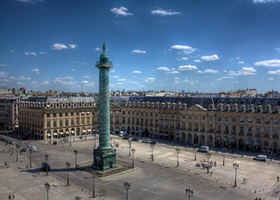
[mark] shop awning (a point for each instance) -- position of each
(225, 139)
(84, 131)
(61, 133)
(257, 143)
(54, 133)
(233, 140)
(248, 141)
(72, 131)
(49, 135)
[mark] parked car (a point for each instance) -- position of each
(11, 142)
(125, 137)
(54, 142)
(46, 167)
(153, 142)
(22, 150)
(261, 158)
(203, 149)
(146, 140)
(134, 139)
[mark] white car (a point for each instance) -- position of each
(260, 158)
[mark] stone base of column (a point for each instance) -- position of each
(104, 159)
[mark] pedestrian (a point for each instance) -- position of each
(13, 196)
(10, 197)
(278, 178)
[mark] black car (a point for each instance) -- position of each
(54, 142)
(46, 167)
(153, 142)
(125, 137)
(22, 150)
(134, 139)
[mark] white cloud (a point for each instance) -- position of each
(277, 72)
(138, 51)
(35, 71)
(270, 79)
(59, 46)
(266, 1)
(176, 78)
(72, 46)
(197, 61)
(115, 76)
(150, 80)
(210, 58)
(87, 76)
(210, 71)
(175, 72)
(65, 80)
(240, 62)
(121, 80)
(43, 52)
(84, 82)
(219, 79)
(3, 65)
(164, 12)
(183, 58)
(4, 74)
(245, 71)
(269, 63)
(133, 82)
(277, 49)
(121, 11)
(45, 83)
(113, 71)
(227, 77)
(97, 49)
(20, 78)
(166, 69)
(136, 72)
(30, 53)
(187, 67)
(186, 49)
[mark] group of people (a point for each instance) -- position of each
(12, 196)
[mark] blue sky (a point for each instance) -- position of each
(191, 45)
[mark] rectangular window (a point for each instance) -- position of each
(48, 115)
(60, 123)
(54, 114)
(60, 114)
(66, 114)
(250, 120)
(48, 124)
(54, 123)
(66, 122)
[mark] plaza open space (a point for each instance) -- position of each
(166, 175)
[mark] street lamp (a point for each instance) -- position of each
(189, 192)
(235, 166)
(224, 156)
(98, 160)
(93, 186)
(178, 151)
(76, 153)
(208, 155)
(30, 152)
(127, 187)
(133, 151)
(194, 153)
(129, 142)
(68, 166)
(152, 147)
(94, 140)
(47, 157)
(17, 155)
(47, 186)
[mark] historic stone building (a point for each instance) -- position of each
(243, 123)
(9, 113)
(56, 117)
